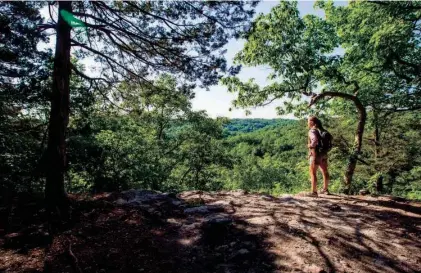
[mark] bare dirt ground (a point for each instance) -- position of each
(142, 231)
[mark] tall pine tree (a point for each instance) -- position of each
(134, 41)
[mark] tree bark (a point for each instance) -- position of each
(379, 184)
(362, 114)
(352, 161)
(379, 180)
(376, 135)
(55, 194)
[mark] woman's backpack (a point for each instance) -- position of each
(324, 141)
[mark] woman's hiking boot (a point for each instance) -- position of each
(325, 191)
(308, 194)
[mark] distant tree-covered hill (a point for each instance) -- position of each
(236, 126)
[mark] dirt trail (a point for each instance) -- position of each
(141, 231)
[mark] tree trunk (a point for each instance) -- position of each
(376, 136)
(55, 194)
(379, 184)
(352, 161)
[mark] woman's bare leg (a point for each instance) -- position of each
(313, 175)
(325, 172)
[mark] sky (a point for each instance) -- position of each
(217, 100)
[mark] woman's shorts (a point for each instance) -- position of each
(319, 159)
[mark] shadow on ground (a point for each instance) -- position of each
(228, 232)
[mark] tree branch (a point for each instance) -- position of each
(130, 36)
(387, 3)
(75, 43)
(315, 98)
(79, 73)
(207, 16)
(43, 27)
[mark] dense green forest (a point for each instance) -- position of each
(153, 150)
(133, 126)
(274, 159)
(236, 126)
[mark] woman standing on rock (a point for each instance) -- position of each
(319, 143)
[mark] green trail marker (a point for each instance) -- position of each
(72, 20)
